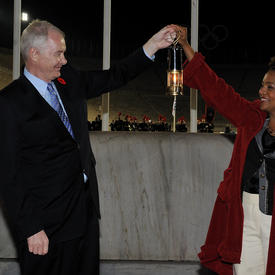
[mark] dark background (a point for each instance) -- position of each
(240, 31)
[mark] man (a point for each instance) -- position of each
(48, 179)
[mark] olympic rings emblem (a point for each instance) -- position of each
(211, 38)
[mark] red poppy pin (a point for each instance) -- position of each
(61, 81)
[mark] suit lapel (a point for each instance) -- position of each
(39, 105)
(33, 97)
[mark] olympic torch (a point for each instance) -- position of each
(175, 75)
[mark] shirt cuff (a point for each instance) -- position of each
(150, 57)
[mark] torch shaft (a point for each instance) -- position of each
(174, 113)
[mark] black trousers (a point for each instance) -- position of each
(75, 257)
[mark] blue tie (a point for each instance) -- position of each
(55, 103)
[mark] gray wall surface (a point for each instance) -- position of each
(157, 192)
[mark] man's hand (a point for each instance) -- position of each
(38, 243)
(162, 39)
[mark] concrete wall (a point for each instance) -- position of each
(157, 192)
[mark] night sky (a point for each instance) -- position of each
(245, 32)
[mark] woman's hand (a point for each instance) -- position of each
(182, 40)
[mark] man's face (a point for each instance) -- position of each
(50, 58)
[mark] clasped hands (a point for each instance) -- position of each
(165, 37)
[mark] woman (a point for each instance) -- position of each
(241, 235)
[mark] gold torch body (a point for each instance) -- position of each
(174, 76)
(175, 71)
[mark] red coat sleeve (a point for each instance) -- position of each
(217, 93)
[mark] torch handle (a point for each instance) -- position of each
(174, 113)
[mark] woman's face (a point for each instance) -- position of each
(267, 93)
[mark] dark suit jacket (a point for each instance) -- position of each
(41, 165)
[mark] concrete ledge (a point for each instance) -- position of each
(10, 267)
(152, 268)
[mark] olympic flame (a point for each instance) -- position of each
(175, 82)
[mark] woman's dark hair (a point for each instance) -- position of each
(271, 64)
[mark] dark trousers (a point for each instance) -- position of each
(75, 257)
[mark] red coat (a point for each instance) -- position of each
(223, 243)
